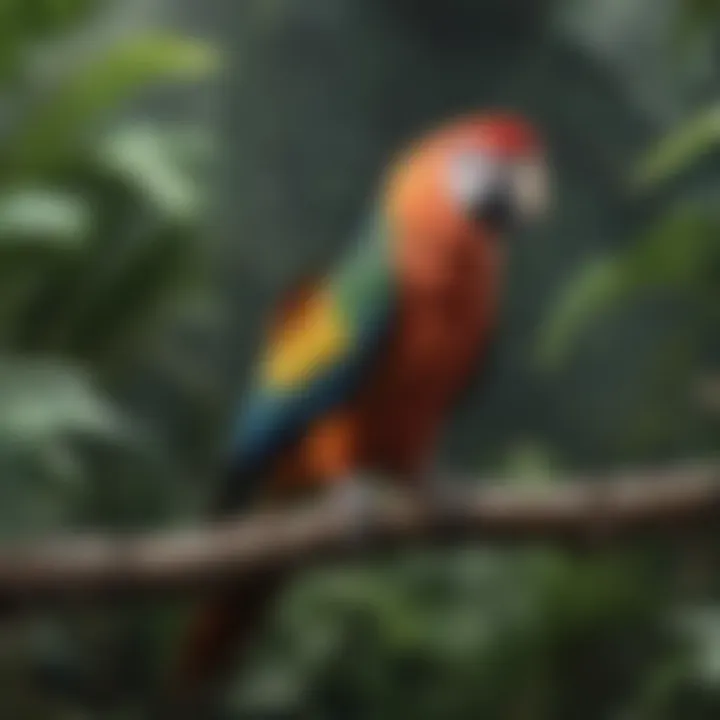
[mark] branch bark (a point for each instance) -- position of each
(592, 510)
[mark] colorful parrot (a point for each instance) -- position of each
(362, 367)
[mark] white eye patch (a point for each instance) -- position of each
(471, 176)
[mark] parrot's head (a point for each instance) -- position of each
(467, 187)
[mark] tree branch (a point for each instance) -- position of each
(597, 510)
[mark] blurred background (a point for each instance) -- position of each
(167, 167)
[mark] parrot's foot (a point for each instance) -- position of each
(357, 499)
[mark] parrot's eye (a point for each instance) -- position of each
(483, 188)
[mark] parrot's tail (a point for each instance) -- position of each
(221, 632)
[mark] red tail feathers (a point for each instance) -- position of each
(222, 631)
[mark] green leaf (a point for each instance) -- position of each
(133, 301)
(47, 406)
(679, 150)
(702, 625)
(47, 218)
(116, 306)
(55, 129)
(677, 252)
(148, 159)
(40, 231)
(600, 285)
(142, 183)
(44, 400)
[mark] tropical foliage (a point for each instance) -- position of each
(100, 255)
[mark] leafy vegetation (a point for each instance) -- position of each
(100, 251)
(673, 258)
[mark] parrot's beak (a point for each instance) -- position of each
(518, 198)
(496, 210)
(532, 190)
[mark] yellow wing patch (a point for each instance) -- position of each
(310, 341)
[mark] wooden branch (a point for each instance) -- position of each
(598, 510)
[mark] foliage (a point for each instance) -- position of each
(670, 264)
(697, 19)
(517, 634)
(97, 229)
(681, 149)
(679, 251)
(99, 252)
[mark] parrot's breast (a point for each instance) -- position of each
(438, 340)
(393, 423)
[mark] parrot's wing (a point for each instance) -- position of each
(317, 354)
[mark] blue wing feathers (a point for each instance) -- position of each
(273, 417)
(270, 421)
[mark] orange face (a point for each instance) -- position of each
(460, 190)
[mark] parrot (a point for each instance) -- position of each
(362, 367)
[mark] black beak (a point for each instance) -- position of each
(495, 210)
